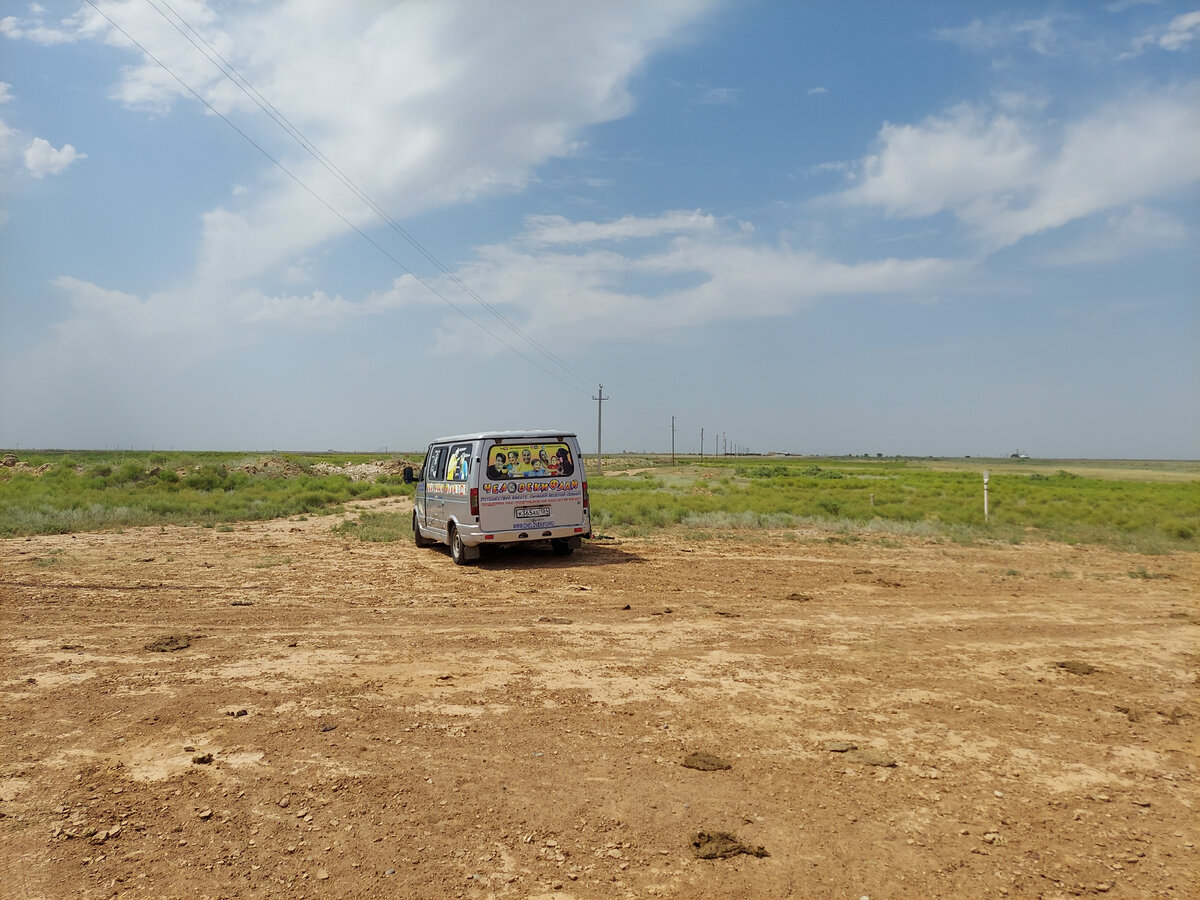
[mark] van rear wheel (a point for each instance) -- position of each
(561, 547)
(458, 550)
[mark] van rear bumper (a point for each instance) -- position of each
(473, 538)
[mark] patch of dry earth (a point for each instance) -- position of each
(383, 723)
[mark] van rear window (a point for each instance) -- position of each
(510, 461)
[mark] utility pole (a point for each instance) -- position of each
(702, 443)
(599, 398)
(672, 440)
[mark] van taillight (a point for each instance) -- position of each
(585, 496)
(474, 501)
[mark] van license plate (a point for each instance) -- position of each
(533, 512)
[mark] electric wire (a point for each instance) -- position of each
(328, 205)
(247, 88)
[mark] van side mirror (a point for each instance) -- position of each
(411, 477)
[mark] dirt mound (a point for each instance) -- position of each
(368, 471)
(274, 467)
(10, 461)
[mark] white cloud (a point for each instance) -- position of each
(721, 96)
(42, 159)
(1182, 31)
(73, 28)
(817, 90)
(5, 92)
(953, 161)
(1178, 35)
(443, 110)
(1138, 231)
(1006, 178)
(317, 305)
(698, 278)
(559, 230)
(703, 273)
(1122, 5)
(1003, 30)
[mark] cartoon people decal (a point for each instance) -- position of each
(511, 461)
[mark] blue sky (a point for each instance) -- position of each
(918, 228)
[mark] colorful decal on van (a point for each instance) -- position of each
(553, 486)
(446, 487)
(507, 462)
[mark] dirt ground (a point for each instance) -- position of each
(881, 717)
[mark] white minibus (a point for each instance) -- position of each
(501, 487)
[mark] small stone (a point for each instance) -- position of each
(839, 746)
(205, 813)
(202, 759)
(722, 845)
(991, 837)
(705, 762)
(285, 803)
(1075, 667)
(322, 874)
(870, 758)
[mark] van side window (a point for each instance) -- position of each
(435, 467)
(459, 467)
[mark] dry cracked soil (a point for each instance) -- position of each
(282, 711)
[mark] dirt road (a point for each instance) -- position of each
(330, 718)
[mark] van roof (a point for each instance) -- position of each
(531, 434)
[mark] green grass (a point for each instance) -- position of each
(378, 527)
(90, 491)
(1151, 507)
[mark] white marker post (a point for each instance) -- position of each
(985, 497)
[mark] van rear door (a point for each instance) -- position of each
(531, 485)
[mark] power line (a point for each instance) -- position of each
(327, 204)
(247, 88)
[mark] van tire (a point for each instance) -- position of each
(458, 550)
(418, 538)
(561, 547)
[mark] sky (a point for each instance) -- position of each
(925, 229)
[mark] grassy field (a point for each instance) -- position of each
(1151, 506)
(55, 493)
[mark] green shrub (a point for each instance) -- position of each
(205, 478)
(380, 527)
